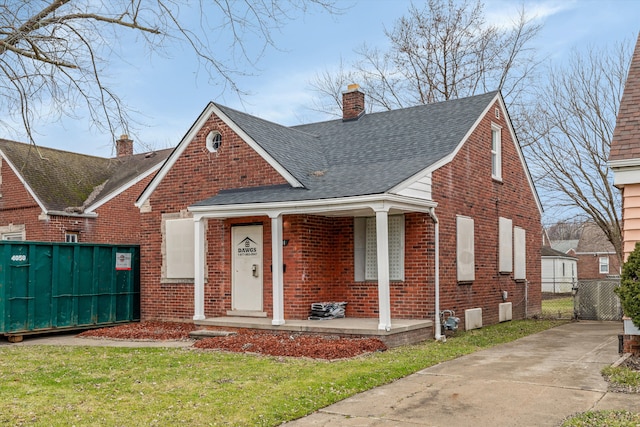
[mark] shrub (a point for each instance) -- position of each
(629, 290)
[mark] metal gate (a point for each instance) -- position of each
(597, 300)
(48, 286)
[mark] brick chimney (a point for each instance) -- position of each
(124, 146)
(352, 103)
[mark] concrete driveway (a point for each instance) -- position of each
(535, 381)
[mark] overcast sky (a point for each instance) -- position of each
(170, 92)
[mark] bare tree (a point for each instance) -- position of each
(565, 229)
(442, 51)
(54, 53)
(568, 136)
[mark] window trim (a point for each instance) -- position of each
(603, 264)
(505, 245)
(465, 249)
(71, 237)
(186, 250)
(496, 152)
(520, 254)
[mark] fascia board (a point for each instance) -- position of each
(123, 188)
(446, 159)
(291, 180)
(523, 161)
(382, 202)
(210, 109)
(24, 182)
(624, 163)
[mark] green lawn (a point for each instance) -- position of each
(107, 386)
(558, 308)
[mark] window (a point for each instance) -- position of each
(13, 232)
(505, 242)
(179, 248)
(15, 235)
(496, 152)
(604, 265)
(520, 254)
(366, 250)
(213, 141)
(71, 237)
(465, 250)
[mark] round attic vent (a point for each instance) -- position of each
(214, 141)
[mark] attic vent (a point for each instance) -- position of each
(497, 113)
(214, 141)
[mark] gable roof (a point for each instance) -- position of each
(340, 159)
(66, 182)
(593, 240)
(564, 246)
(625, 144)
(548, 251)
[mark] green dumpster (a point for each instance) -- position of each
(51, 286)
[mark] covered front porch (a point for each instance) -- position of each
(402, 331)
(380, 207)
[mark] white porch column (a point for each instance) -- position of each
(277, 273)
(382, 240)
(198, 266)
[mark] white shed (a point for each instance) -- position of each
(559, 271)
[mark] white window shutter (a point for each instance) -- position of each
(465, 249)
(520, 253)
(179, 241)
(505, 232)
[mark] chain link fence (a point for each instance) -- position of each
(589, 300)
(597, 300)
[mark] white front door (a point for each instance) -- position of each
(247, 268)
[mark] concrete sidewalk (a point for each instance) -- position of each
(534, 381)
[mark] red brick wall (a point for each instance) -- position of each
(197, 175)
(589, 266)
(118, 220)
(465, 187)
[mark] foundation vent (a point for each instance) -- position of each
(504, 311)
(472, 319)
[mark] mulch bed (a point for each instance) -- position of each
(245, 341)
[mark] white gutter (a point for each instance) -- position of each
(73, 214)
(438, 336)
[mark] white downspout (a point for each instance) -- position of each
(438, 336)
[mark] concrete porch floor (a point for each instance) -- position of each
(403, 331)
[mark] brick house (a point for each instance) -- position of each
(401, 214)
(597, 258)
(56, 196)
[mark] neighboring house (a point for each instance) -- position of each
(58, 196)
(624, 157)
(559, 271)
(400, 214)
(596, 255)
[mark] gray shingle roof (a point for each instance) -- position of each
(550, 252)
(370, 155)
(564, 246)
(63, 181)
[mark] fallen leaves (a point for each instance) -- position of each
(246, 341)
